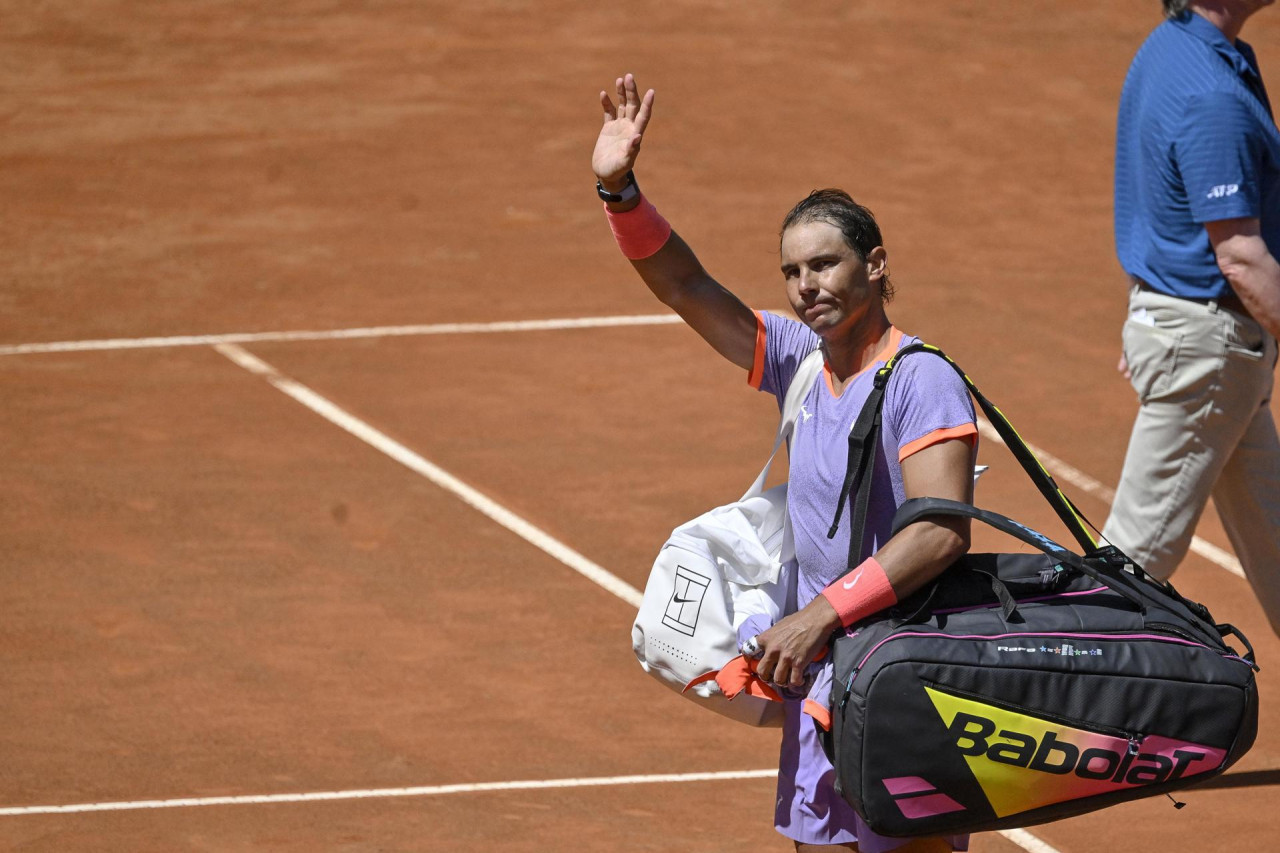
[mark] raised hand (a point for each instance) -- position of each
(619, 142)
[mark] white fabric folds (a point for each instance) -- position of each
(713, 573)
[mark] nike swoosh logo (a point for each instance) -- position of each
(680, 600)
(851, 584)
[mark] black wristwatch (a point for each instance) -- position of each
(630, 191)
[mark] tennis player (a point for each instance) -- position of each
(836, 276)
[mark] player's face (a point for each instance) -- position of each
(830, 286)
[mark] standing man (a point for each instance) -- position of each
(1197, 226)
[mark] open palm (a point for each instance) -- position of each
(619, 142)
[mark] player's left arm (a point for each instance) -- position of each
(1249, 267)
(921, 550)
(909, 560)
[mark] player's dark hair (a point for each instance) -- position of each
(856, 223)
(1174, 8)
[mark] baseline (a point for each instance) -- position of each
(379, 793)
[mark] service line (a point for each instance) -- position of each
(344, 334)
(507, 519)
(1061, 469)
(332, 413)
(442, 478)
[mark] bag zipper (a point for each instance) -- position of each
(853, 674)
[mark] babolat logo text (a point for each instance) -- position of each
(975, 736)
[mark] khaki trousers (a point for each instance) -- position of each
(1203, 375)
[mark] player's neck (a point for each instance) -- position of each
(855, 352)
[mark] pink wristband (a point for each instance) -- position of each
(862, 592)
(641, 231)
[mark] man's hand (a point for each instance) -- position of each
(791, 645)
(620, 137)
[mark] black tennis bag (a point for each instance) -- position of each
(1022, 688)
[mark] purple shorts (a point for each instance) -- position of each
(809, 810)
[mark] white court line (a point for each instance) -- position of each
(488, 507)
(380, 793)
(442, 478)
(226, 345)
(1064, 471)
(509, 520)
(345, 334)
(1027, 841)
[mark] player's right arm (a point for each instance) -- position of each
(673, 273)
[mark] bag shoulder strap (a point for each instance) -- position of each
(1043, 480)
(865, 434)
(806, 374)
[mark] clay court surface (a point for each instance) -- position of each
(212, 590)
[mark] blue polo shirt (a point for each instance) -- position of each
(1196, 142)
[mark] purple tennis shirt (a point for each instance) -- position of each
(925, 403)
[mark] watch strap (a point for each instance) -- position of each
(630, 191)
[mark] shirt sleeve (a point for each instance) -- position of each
(781, 345)
(927, 403)
(1219, 152)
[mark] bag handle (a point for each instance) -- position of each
(806, 374)
(1225, 629)
(917, 508)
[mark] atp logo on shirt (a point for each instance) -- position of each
(1223, 191)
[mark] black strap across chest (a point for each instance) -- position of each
(865, 435)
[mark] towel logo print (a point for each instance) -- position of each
(686, 601)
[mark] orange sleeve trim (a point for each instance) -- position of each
(756, 375)
(966, 431)
(819, 713)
